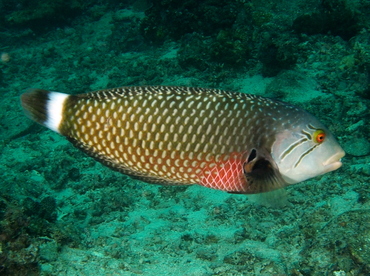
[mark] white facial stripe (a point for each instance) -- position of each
(306, 137)
(54, 110)
(307, 152)
(290, 149)
(309, 137)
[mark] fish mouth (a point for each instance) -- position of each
(334, 162)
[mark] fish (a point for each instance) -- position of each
(169, 135)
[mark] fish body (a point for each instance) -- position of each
(236, 142)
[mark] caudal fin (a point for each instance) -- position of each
(44, 107)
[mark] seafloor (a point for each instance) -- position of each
(62, 213)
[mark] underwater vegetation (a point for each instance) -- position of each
(28, 234)
(173, 19)
(217, 35)
(334, 17)
(40, 16)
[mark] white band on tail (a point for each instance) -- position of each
(54, 110)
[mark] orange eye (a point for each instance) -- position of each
(319, 136)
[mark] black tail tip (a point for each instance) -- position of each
(34, 103)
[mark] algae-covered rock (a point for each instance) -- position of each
(43, 14)
(350, 233)
(357, 147)
(277, 56)
(293, 86)
(231, 49)
(334, 17)
(173, 19)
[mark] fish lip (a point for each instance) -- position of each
(334, 162)
(333, 166)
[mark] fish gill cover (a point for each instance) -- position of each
(62, 213)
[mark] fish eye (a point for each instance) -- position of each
(319, 136)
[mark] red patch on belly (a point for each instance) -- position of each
(226, 175)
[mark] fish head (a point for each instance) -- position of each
(305, 150)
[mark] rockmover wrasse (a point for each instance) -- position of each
(235, 142)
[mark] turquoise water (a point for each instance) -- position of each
(62, 213)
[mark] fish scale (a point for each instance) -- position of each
(174, 135)
(172, 142)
